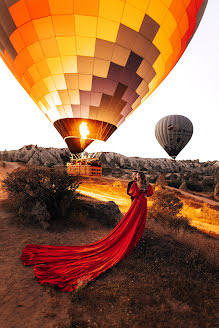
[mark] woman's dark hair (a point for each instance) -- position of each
(143, 182)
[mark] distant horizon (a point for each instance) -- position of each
(163, 158)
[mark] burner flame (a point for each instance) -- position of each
(84, 131)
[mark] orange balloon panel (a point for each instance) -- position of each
(93, 61)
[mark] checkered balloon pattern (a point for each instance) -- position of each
(93, 61)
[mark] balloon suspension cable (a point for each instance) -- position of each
(78, 155)
(75, 156)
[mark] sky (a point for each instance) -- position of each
(191, 89)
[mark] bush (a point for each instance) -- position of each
(166, 206)
(194, 186)
(38, 195)
(174, 184)
(153, 179)
(166, 203)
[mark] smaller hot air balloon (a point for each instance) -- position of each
(173, 132)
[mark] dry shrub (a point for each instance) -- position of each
(38, 195)
(165, 209)
(166, 204)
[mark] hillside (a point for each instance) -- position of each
(198, 176)
(166, 282)
(35, 155)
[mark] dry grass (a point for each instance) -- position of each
(163, 283)
(202, 212)
(201, 215)
(168, 281)
(202, 243)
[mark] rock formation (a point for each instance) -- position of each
(183, 186)
(198, 176)
(161, 181)
(34, 155)
(216, 180)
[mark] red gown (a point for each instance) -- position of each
(70, 266)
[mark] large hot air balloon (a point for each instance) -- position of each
(89, 64)
(173, 132)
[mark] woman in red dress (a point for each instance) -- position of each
(71, 266)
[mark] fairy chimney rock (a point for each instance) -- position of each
(183, 186)
(161, 180)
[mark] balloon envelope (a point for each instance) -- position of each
(96, 61)
(173, 132)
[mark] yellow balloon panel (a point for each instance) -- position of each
(95, 60)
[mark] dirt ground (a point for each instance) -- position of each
(23, 302)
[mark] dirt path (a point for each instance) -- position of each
(197, 197)
(123, 200)
(119, 196)
(20, 294)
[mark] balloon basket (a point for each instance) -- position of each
(84, 166)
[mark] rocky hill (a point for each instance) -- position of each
(35, 155)
(188, 174)
(153, 165)
(192, 174)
